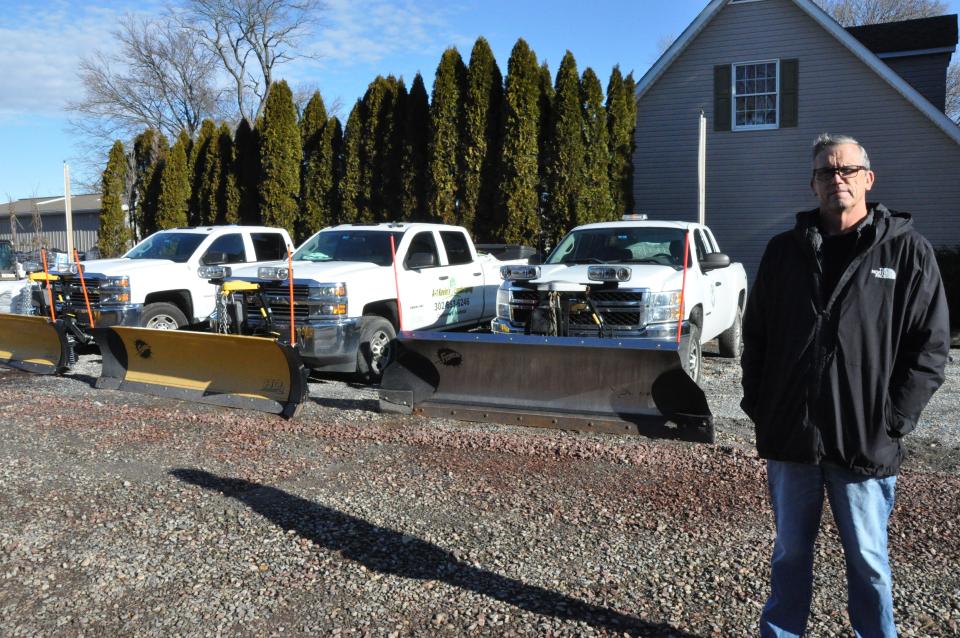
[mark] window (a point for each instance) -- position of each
(422, 252)
(755, 95)
(268, 246)
(455, 243)
(701, 245)
(227, 249)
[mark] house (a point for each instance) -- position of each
(41, 221)
(770, 75)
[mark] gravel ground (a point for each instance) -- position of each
(122, 514)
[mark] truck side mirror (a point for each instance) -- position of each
(712, 261)
(421, 260)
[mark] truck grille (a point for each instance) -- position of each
(621, 309)
(72, 292)
(278, 297)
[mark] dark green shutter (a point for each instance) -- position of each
(721, 97)
(789, 76)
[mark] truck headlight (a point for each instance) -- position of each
(503, 303)
(662, 306)
(213, 272)
(115, 290)
(609, 273)
(519, 273)
(276, 273)
(333, 298)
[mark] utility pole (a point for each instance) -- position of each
(67, 208)
(702, 171)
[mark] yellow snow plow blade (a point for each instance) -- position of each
(252, 373)
(34, 344)
(633, 386)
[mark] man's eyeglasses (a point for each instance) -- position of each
(826, 173)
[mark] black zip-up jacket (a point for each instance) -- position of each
(841, 379)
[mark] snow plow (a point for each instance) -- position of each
(254, 373)
(34, 344)
(625, 386)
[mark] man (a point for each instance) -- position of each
(846, 337)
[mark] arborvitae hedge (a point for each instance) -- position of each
(350, 182)
(314, 182)
(621, 123)
(413, 170)
(518, 169)
(114, 231)
(149, 150)
(174, 193)
(246, 168)
(280, 157)
(594, 203)
(444, 169)
(228, 191)
(481, 137)
(566, 160)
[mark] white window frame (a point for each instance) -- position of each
(733, 97)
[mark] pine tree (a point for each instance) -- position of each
(413, 164)
(149, 149)
(280, 157)
(483, 106)
(518, 184)
(543, 146)
(350, 180)
(174, 188)
(621, 123)
(380, 149)
(228, 191)
(114, 233)
(444, 168)
(246, 169)
(206, 175)
(565, 165)
(594, 203)
(334, 132)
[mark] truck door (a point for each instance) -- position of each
(463, 298)
(710, 287)
(420, 279)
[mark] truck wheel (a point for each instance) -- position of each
(693, 359)
(162, 316)
(731, 339)
(376, 347)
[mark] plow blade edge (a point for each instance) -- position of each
(34, 344)
(634, 386)
(251, 373)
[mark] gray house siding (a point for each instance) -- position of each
(757, 180)
(86, 226)
(926, 73)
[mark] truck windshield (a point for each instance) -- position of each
(349, 245)
(173, 246)
(621, 245)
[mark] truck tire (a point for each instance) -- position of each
(376, 347)
(162, 316)
(730, 341)
(693, 354)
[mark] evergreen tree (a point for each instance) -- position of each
(202, 159)
(543, 145)
(413, 164)
(312, 188)
(246, 169)
(621, 124)
(280, 157)
(517, 222)
(334, 131)
(444, 168)
(114, 233)
(594, 203)
(228, 191)
(483, 105)
(381, 149)
(565, 165)
(174, 188)
(149, 149)
(350, 180)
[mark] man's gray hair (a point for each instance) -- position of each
(826, 140)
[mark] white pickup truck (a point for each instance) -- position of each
(622, 280)
(156, 283)
(346, 289)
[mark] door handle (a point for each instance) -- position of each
(477, 274)
(717, 283)
(443, 277)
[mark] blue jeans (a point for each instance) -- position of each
(861, 508)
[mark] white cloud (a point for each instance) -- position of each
(40, 49)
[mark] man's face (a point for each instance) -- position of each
(840, 194)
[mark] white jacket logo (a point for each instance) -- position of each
(884, 273)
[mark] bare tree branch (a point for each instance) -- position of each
(953, 92)
(853, 13)
(250, 38)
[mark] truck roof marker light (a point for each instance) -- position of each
(83, 284)
(519, 272)
(609, 273)
(634, 217)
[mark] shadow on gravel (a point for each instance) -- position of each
(85, 378)
(367, 405)
(392, 552)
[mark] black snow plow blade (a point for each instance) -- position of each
(634, 386)
(34, 344)
(252, 373)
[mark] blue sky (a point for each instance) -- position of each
(41, 44)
